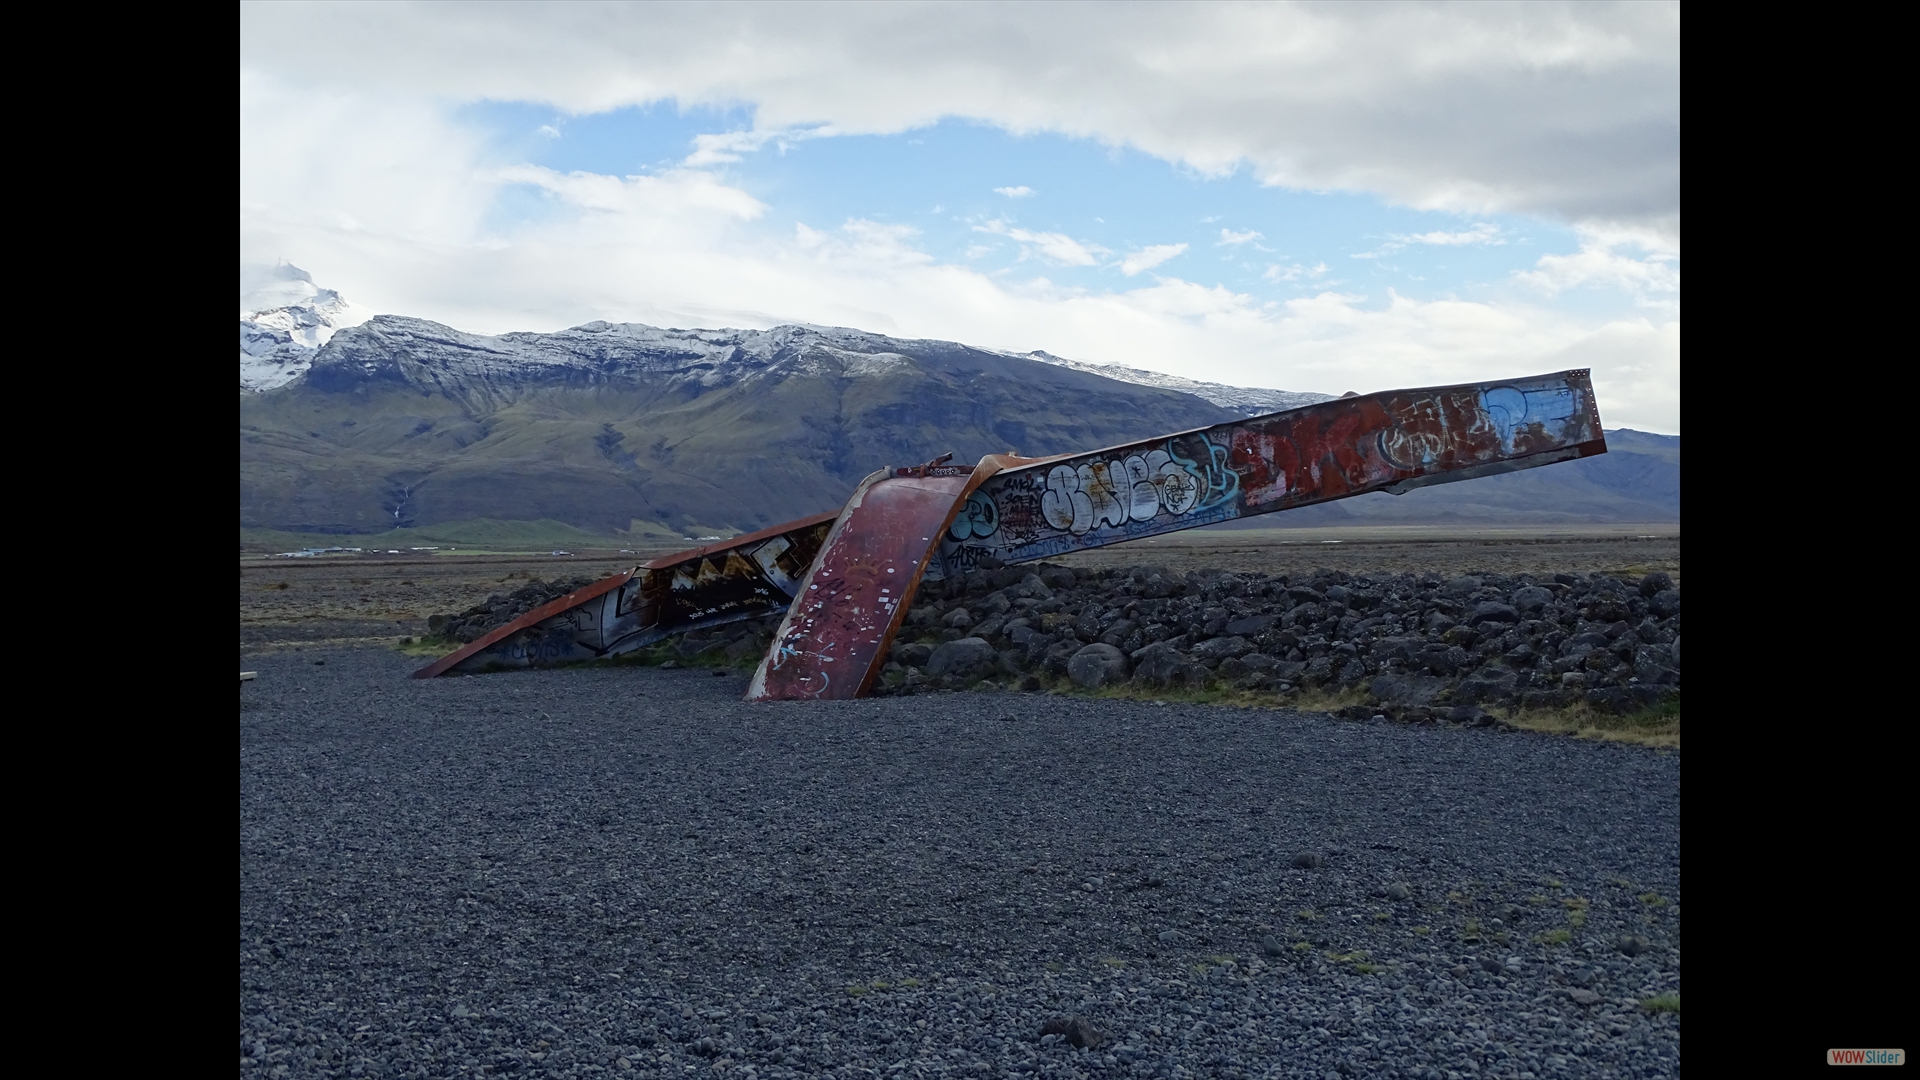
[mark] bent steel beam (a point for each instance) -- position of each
(941, 520)
(742, 578)
(832, 642)
(835, 636)
(1393, 441)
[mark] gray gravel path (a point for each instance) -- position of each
(630, 872)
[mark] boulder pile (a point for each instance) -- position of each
(1417, 647)
(473, 623)
(1412, 647)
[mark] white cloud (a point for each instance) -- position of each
(1565, 111)
(1483, 233)
(1652, 279)
(1149, 257)
(676, 193)
(866, 244)
(397, 168)
(1296, 272)
(547, 131)
(729, 146)
(357, 168)
(1054, 247)
(1020, 192)
(1229, 237)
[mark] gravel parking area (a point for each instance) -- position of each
(630, 872)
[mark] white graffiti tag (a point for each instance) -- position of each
(1112, 492)
(1064, 505)
(1177, 488)
(1096, 479)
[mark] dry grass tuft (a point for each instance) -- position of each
(1659, 727)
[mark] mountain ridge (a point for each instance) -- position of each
(398, 420)
(354, 423)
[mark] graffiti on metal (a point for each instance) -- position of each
(858, 569)
(1392, 441)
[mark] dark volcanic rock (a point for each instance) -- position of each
(966, 657)
(474, 623)
(1485, 687)
(1531, 599)
(913, 654)
(1097, 665)
(1251, 625)
(1159, 664)
(1287, 671)
(1221, 648)
(1406, 689)
(1492, 611)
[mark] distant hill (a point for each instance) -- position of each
(399, 422)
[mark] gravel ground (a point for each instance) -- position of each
(630, 872)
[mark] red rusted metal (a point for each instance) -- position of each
(836, 635)
(743, 578)
(1393, 441)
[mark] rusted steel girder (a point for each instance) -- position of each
(836, 634)
(1012, 510)
(835, 638)
(1393, 441)
(742, 578)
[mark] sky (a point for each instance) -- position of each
(1304, 197)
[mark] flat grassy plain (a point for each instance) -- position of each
(473, 535)
(376, 596)
(1405, 549)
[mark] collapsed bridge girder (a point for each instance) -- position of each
(743, 578)
(936, 521)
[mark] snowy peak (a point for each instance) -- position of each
(1252, 401)
(284, 318)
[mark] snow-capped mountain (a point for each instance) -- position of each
(284, 318)
(355, 424)
(1243, 399)
(402, 420)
